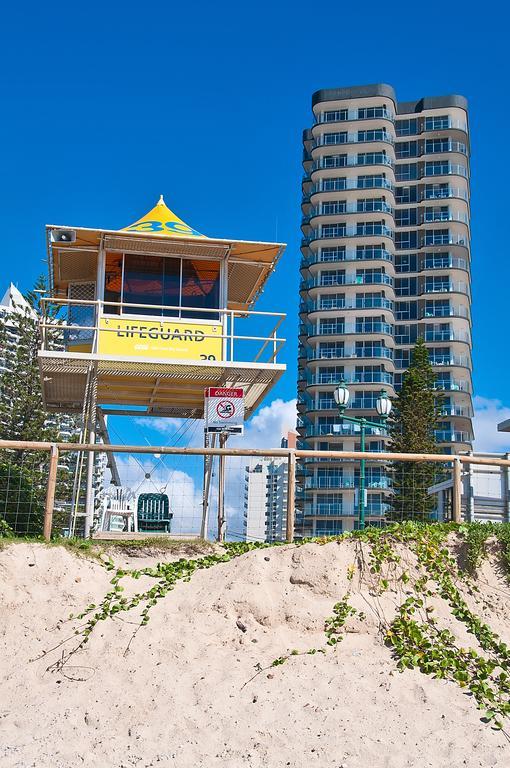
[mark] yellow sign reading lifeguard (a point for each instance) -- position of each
(159, 340)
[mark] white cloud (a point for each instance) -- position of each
(269, 425)
(488, 414)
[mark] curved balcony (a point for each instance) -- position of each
(339, 233)
(342, 329)
(456, 311)
(345, 137)
(346, 483)
(452, 169)
(347, 255)
(344, 353)
(349, 161)
(441, 361)
(440, 288)
(451, 436)
(438, 217)
(335, 281)
(452, 385)
(426, 195)
(457, 410)
(439, 263)
(348, 115)
(367, 206)
(341, 430)
(332, 378)
(332, 302)
(346, 184)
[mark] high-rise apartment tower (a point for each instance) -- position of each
(385, 260)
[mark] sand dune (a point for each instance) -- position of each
(181, 697)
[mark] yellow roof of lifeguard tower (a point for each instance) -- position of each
(160, 232)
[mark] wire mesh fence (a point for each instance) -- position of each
(237, 494)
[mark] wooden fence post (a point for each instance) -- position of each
(50, 493)
(457, 492)
(291, 493)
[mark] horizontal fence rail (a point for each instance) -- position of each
(313, 486)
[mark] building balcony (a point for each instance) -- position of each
(441, 263)
(431, 124)
(331, 302)
(346, 509)
(332, 378)
(334, 233)
(349, 328)
(452, 287)
(345, 137)
(339, 353)
(455, 311)
(451, 436)
(342, 185)
(452, 385)
(348, 115)
(442, 194)
(448, 361)
(349, 161)
(339, 280)
(341, 430)
(346, 483)
(347, 255)
(332, 209)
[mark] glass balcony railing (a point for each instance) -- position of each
(441, 335)
(446, 436)
(341, 430)
(439, 361)
(456, 410)
(452, 287)
(434, 217)
(340, 185)
(440, 263)
(330, 329)
(346, 115)
(346, 509)
(338, 353)
(328, 256)
(438, 147)
(348, 161)
(346, 483)
(443, 194)
(452, 385)
(367, 206)
(344, 137)
(367, 377)
(332, 232)
(450, 169)
(439, 311)
(334, 281)
(332, 302)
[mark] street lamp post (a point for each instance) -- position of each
(383, 407)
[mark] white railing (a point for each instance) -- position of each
(59, 331)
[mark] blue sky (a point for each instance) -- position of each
(105, 106)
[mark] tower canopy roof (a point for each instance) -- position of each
(161, 220)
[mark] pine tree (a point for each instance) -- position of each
(413, 421)
(23, 417)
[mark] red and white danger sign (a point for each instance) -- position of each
(224, 409)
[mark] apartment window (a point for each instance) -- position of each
(437, 284)
(370, 251)
(366, 113)
(334, 185)
(375, 135)
(334, 115)
(437, 123)
(435, 260)
(330, 375)
(405, 149)
(372, 181)
(436, 191)
(372, 158)
(406, 172)
(406, 127)
(405, 286)
(334, 161)
(437, 213)
(333, 325)
(402, 358)
(406, 240)
(437, 237)
(406, 195)
(333, 277)
(437, 168)
(333, 230)
(370, 205)
(335, 138)
(333, 206)
(437, 308)
(332, 254)
(406, 217)
(370, 228)
(336, 301)
(370, 276)
(436, 145)
(406, 310)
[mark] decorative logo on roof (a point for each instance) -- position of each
(161, 220)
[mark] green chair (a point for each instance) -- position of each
(153, 512)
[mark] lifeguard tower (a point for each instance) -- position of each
(141, 320)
